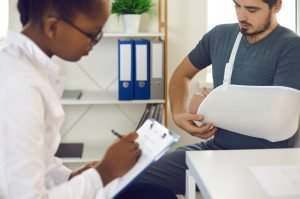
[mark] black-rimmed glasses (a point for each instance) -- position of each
(95, 38)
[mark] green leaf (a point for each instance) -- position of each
(131, 6)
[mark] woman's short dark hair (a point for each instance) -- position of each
(35, 9)
(271, 3)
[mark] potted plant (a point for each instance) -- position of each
(131, 11)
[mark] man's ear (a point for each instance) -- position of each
(277, 6)
(51, 27)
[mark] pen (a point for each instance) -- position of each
(116, 134)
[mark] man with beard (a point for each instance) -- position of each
(268, 54)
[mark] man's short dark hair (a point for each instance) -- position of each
(271, 3)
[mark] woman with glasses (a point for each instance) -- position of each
(31, 114)
(30, 102)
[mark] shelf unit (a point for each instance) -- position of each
(94, 98)
(105, 98)
(109, 102)
(138, 35)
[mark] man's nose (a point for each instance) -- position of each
(242, 15)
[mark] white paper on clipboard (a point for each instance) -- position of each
(154, 140)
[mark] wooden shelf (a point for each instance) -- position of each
(105, 98)
(134, 35)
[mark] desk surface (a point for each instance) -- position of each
(226, 174)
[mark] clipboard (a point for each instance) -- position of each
(154, 140)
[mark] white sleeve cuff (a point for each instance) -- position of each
(87, 185)
(57, 173)
(94, 178)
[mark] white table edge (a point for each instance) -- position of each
(197, 181)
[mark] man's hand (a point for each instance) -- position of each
(119, 158)
(197, 99)
(179, 86)
(186, 122)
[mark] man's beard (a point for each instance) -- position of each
(265, 27)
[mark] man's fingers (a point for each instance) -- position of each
(191, 128)
(201, 129)
(208, 134)
(205, 131)
(205, 91)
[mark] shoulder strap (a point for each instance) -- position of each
(230, 64)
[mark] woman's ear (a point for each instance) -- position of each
(50, 27)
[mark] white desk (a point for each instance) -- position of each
(226, 174)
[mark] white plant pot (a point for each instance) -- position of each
(131, 23)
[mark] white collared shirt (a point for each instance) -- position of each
(31, 116)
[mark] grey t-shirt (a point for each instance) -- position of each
(275, 60)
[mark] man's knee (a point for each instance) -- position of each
(146, 191)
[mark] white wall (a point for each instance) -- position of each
(4, 18)
(187, 24)
(14, 19)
